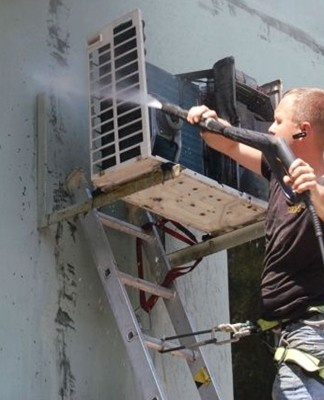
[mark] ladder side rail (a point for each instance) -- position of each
(179, 318)
(117, 297)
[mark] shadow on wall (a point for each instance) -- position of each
(253, 368)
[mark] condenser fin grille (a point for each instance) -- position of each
(119, 127)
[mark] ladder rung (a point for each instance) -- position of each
(123, 226)
(146, 286)
(160, 344)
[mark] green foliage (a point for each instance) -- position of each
(253, 367)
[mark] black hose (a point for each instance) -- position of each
(317, 225)
(276, 151)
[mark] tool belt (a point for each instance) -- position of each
(306, 361)
(266, 325)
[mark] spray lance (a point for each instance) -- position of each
(275, 150)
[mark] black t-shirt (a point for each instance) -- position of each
(293, 276)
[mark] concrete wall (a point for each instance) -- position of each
(57, 337)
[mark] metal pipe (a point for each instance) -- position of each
(219, 243)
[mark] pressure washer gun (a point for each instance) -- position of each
(275, 150)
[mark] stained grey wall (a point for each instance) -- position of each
(57, 337)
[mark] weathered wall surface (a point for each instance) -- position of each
(57, 337)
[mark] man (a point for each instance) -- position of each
(292, 284)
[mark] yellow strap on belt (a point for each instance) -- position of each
(267, 325)
(299, 357)
(202, 376)
(319, 309)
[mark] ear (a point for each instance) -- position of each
(306, 127)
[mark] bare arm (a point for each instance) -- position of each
(246, 156)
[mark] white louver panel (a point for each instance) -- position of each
(119, 127)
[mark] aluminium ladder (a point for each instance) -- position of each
(136, 343)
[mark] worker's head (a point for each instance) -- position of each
(300, 110)
(308, 107)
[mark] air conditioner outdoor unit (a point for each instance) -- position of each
(128, 139)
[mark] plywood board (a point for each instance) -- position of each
(200, 203)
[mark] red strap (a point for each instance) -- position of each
(189, 238)
(148, 304)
